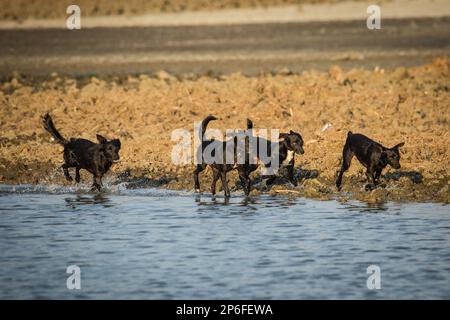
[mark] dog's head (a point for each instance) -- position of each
(392, 155)
(294, 141)
(110, 148)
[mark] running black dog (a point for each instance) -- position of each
(96, 158)
(371, 154)
(291, 143)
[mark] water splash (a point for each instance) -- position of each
(108, 188)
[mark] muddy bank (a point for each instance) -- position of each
(391, 106)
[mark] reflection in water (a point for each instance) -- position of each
(241, 205)
(248, 201)
(370, 207)
(83, 199)
(212, 200)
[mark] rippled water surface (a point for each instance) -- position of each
(156, 244)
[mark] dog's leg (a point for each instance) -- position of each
(378, 175)
(291, 177)
(347, 156)
(216, 176)
(97, 183)
(77, 174)
(198, 169)
(223, 177)
(372, 183)
(271, 179)
(371, 174)
(377, 178)
(245, 180)
(65, 168)
(249, 186)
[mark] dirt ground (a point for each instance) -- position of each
(48, 9)
(410, 105)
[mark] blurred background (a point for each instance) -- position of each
(44, 9)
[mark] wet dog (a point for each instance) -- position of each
(96, 158)
(291, 143)
(371, 154)
(219, 169)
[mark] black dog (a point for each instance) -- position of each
(219, 169)
(96, 158)
(371, 154)
(291, 144)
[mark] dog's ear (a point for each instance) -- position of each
(283, 135)
(398, 145)
(291, 132)
(101, 139)
(116, 142)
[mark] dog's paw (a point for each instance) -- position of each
(197, 190)
(96, 188)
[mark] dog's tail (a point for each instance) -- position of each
(249, 124)
(50, 127)
(205, 124)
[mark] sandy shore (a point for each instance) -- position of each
(409, 105)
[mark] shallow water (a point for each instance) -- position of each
(158, 244)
